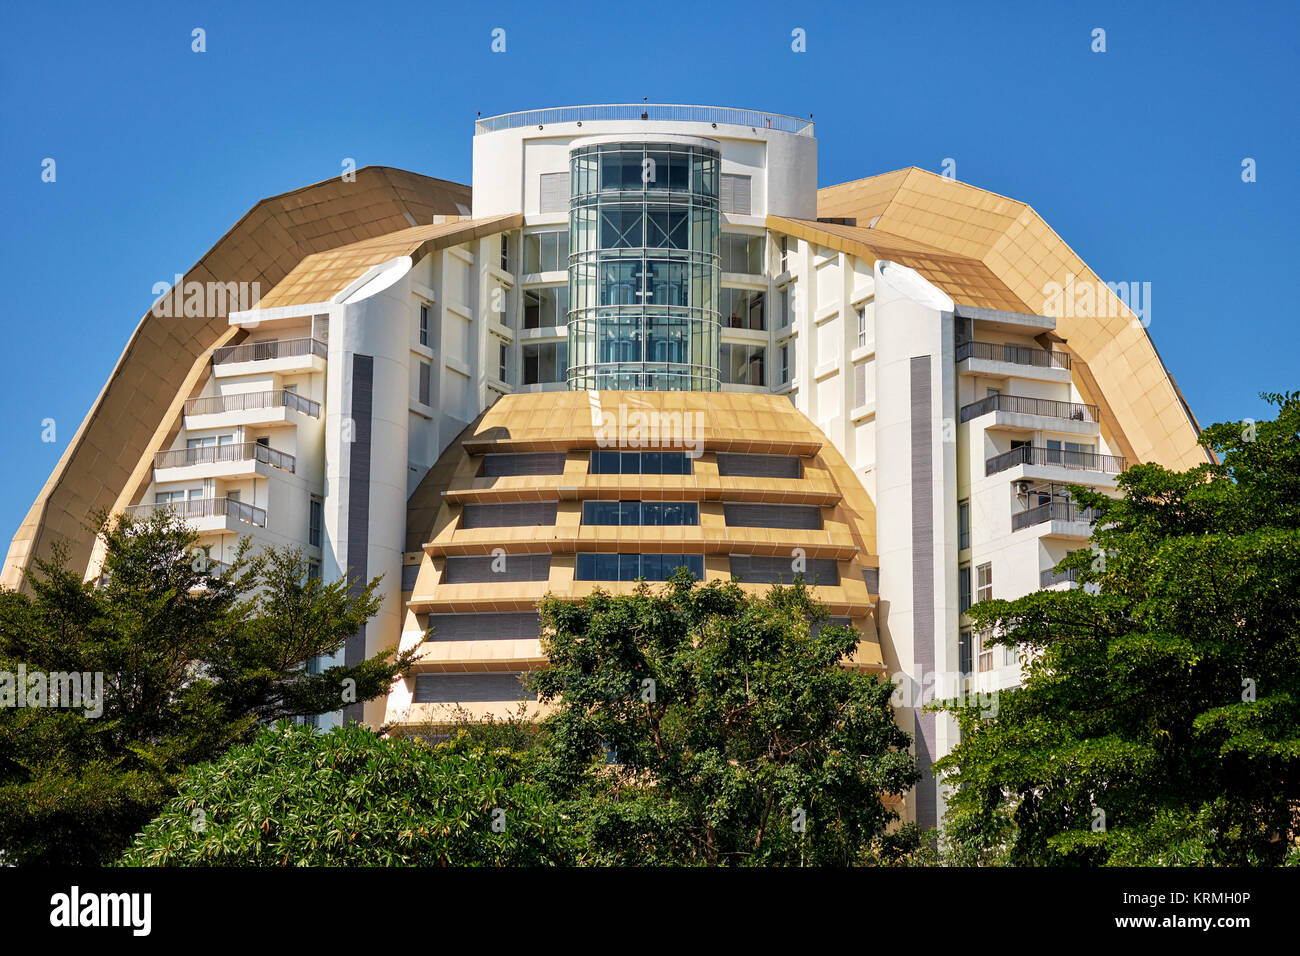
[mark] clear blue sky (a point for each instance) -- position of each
(1132, 155)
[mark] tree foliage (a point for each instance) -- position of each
(699, 725)
(191, 662)
(295, 797)
(1159, 719)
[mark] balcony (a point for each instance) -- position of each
(207, 514)
(1054, 511)
(1019, 405)
(233, 459)
(1055, 458)
(271, 355)
(1013, 354)
(1052, 577)
(272, 407)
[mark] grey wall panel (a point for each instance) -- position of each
(758, 466)
(514, 514)
(923, 590)
(468, 688)
(480, 570)
(484, 627)
(794, 517)
(358, 519)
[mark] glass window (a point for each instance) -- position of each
(742, 309)
(546, 251)
(741, 253)
(984, 582)
(640, 463)
(964, 655)
(963, 588)
(546, 307)
(314, 522)
(424, 325)
(963, 524)
(545, 362)
(862, 325)
(743, 364)
(501, 372)
(629, 567)
(426, 372)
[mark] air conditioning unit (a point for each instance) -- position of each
(1022, 488)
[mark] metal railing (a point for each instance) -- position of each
(1073, 460)
(1073, 411)
(229, 452)
(245, 401)
(665, 112)
(1051, 576)
(206, 508)
(1052, 511)
(269, 349)
(1015, 354)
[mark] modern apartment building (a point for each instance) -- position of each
(645, 339)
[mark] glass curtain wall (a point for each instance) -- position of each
(643, 267)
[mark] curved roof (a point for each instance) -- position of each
(156, 369)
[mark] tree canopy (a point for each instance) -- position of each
(701, 725)
(1159, 718)
(191, 658)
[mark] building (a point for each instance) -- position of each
(644, 339)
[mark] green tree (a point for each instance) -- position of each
(1159, 718)
(699, 725)
(295, 797)
(191, 662)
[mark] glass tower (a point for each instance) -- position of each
(643, 266)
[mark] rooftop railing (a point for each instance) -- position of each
(245, 401)
(229, 452)
(1060, 458)
(1015, 354)
(205, 508)
(1071, 411)
(269, 349)
(664, 112)
(1052, 511)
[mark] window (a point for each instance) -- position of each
(733, 193)
(986, 650)
(964, 657)
(505, 252)
(501, 371)
(546, 251)
(424, 325)
(963, 524)
(787, 359)
(740, 253)
(640, 463)
(1070, 453)
(862, 325)
(554, 192)
(629, 567)
(984, 582)
(314, 521)
(742, 309)
(785, 254)
(650, 513)
(546, 307)
(313, 574)
(743, 364)
(545, 362)
(785, 305)
(963, 588)
(426, 373)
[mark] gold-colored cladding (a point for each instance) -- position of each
(564, 421)
(1025, 255)
(322, 275)
(155, 369)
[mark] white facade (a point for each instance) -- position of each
(867, 350)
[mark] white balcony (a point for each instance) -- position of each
(270, 408)
(210, 515)
(245, 459)
(284, 356)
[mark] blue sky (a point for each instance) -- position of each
(1133, 155)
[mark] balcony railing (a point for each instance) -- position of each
(1072, 460)
(665, 112)
(269, 349)
(1050, 577)
(229, 452)
(244, 401)
(1015, 354)
(1072, 411)
(206, 508)
(1052, 511)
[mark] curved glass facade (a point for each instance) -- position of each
(643, 267)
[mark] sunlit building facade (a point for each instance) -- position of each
(645, 339)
